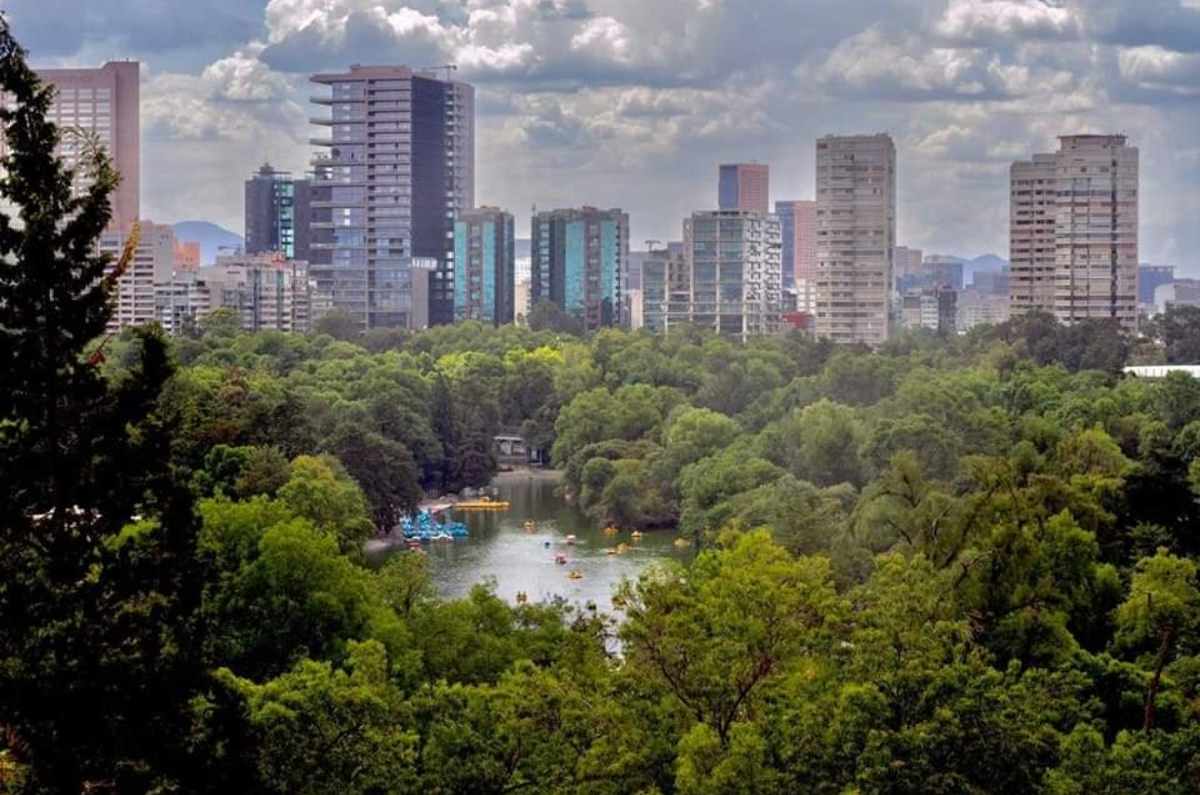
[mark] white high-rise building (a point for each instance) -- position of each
(734, 263)
(856, 237)
(152, 264)
(1074, 231)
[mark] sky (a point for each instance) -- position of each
(634, 103)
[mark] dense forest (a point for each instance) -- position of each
(952, 565)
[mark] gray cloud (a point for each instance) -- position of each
(633, 102)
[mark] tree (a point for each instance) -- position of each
(339, 324)
(96, 608)
(1179, 330)
(385, 470)
(320, 491)
(719, 634)
(321, 730)
(819, 443)
(548, 316)
(1162, 611)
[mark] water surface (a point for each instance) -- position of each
(499, 548)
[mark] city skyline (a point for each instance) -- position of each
(572, 88)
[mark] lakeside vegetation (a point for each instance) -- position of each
(955, 565)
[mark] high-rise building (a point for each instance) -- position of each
(798, 226)
(977, 307)
(398, 166)
(744, 186)
(278, 214)
(264, 291)
(1150, 278)
(941, 270)
(578, 257)
(152, 264)
(734, 265)
(103, 103)
(1074, 231)
(666, 288)
(932, 308)
(907, 261)
(856, 237)
(485, 266)
(1033, 195)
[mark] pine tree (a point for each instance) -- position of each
(96, 535)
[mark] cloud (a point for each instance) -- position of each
(1173, 24)
(984, 21)
(633, 102)
(1158, 69)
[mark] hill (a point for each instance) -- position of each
(210, 236)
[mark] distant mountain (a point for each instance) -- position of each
(210, 237)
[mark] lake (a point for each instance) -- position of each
(500, 548)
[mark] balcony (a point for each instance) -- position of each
(320, 141)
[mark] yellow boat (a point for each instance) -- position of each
(636, 535)
(682, 543)
(575, 574)
(611, 531)
(483, 504)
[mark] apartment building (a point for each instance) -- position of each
(856, 237)
(734, 265)
(577, 260)
(1074, 231)
(744, 186)
(485, 266)
(396, 168)
(101, 105)
(798, 229)
(152, 264)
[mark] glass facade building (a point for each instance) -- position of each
(278, 214)
(485, 266)
(396, 169)
(577, 260)
(734, 262)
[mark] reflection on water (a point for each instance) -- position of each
(501, 549)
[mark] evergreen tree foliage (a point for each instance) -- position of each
(96, 571)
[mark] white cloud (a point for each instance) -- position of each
(633, 102)
(976, 21)
(1157, 68)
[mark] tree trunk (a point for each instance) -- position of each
(1164, 651)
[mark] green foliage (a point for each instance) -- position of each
(320, 491)
(97, 608)
(961, 564)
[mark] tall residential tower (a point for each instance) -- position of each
(578, 258)
(485, 266)
(856, 237)
(103, 102)
(744, 186)
(798, 225)
(1074, 231)
(734, 260)
(398, 167)
(278, 214)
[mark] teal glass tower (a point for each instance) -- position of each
(485, 272)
